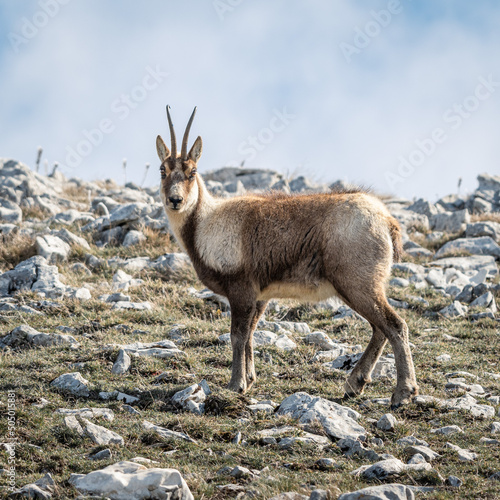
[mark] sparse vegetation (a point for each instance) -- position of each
(14, 249)
(29, 372)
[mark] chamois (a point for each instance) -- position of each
(255, 247)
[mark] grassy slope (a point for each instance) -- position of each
(29, 372)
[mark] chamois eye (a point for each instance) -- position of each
(163, 172)
(192, 174)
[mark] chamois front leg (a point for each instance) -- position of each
(242, 316)
(251, 376)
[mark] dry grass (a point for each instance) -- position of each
(35, 212)
(491, 217)
(14, 249)
(76, 193)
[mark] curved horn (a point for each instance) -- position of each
(172, 134)
(186, 136)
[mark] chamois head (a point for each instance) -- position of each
(179, 188)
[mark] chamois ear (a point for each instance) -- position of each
(195, 151)
(161, 149)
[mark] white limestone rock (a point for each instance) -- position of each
(132, 481)
(72, 382)
(387, 422)
(475, 246)
(52, 248)
(100, 435)
(320, 339)
(133, 237)
(122, 363)
(166, 433)
(392, 491)
(193, 397)
(338, 421)
(454, 310)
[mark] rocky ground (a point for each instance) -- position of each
(115, 358)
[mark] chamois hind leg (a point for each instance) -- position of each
(242, 315)
(251, 376)
(361, 374)
(372, 305)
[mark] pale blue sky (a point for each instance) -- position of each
(327, 89)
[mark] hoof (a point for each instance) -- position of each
(354, 387)
(239, 388)
(403, 397)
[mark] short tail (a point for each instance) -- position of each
(397, 240)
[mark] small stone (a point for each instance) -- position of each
(105, 413)
(455, 310)
(42, 404)
(80, 268)
(321, 339)
(387, 422)
(443, 358)
(448, 430)
(425, 451)
(399, 282)
(485, 440)
(131, 409)
(31, 491)
(80, 294)
(102, 436)
(72, 382)
(338, 421)
(136, 306)
(261, 407)
(133, 238)
(319, 495)
(101, 455)
(53, 248)
(122, 363)
(400, 304)
(351, 447)
(72, 423)
(383, 492)
(495, 428)
(118, 297)
(121, 396)
(463, 455)
(268, 440)
(240, 472)
(192, 398)
(326, 463)
(487, 300)
(483, 245)
(454, 481)
(418, 458)
(410, 441)
(166, 433)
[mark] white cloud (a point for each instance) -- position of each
(351, 120)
